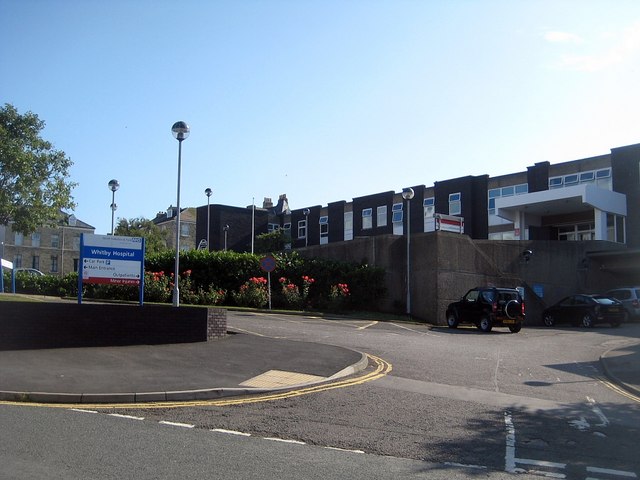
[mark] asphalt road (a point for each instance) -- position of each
(486, 404)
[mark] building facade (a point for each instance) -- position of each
(167, 222)
(52, 250)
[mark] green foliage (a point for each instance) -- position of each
(213, 278)
(33, 175)
(155, 239)
(272, 242)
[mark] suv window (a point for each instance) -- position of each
(472, 296)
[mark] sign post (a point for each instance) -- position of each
(268, 264)
(113, 260)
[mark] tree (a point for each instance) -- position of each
(34, 185)
(272, 242)
(155, 239)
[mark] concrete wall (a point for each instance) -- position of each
(25, 325)
(445, 265)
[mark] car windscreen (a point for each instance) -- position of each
(605, 300)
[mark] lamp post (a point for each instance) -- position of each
(113, 186)
(180, 131)
(407, 194)
(226, 230)
(208, 193)
(306, 213)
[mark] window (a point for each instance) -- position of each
(54, 263)
(455, 205)
(429, 205)
(324, 230)
(348, 225)
(287, 226)
(76, 262)
(17, 261)
(582, 231)
(587, 177)
(522, 188)
(367, 221)
(570, 180)
(509, 191)
(184, 229)
(35, 262)
(396, 213)
(603, 178)
(18, 239)
(381, 218)
(35, 240)
(76, 243)
(55, 241)
(555, 182)
(302, 229)
(272, 227)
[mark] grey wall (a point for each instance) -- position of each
(445, 265)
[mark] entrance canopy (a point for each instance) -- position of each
(561, 201)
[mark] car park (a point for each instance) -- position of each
(584, 310)
(630, 298)
(488, 307)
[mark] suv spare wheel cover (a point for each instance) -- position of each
(512, 309)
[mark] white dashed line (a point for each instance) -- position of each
(175, 424)
(83, 411)
(231, 432)
(344, 450)
(130, 417)
(606, 471)
(295, 442)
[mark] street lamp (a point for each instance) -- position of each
(226, 230)
(180, 131)
(113, 186)
(208, 193)
(306, 213)
(407, 194)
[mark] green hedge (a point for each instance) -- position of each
(210, 273)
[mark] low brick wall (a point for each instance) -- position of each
(26, 325)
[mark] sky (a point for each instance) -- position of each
(321, 100)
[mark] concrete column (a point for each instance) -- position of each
(600, 217)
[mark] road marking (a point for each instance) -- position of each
(344, 450)
(606, 471)
(604, 421)
(130, 417)
(375, 322)
(82, 410)
(413, 330)
(295, 442)
(510, 451)
(231, 432)
(176, 424)
(618, 389)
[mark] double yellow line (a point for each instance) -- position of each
(382, 368)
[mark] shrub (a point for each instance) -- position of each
(253, 293)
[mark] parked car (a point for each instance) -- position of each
(585, 310)
(630, 298)
(29, 271)
(488, 307)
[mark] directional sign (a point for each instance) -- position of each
(112, 259)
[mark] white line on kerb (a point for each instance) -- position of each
(175, 424)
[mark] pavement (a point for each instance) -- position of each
(239, 364)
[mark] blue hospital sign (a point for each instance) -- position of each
(112, 259)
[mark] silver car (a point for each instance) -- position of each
(630, 298)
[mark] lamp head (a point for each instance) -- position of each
(114, 185)
(407, 193)
(208, 192)
(180, 130)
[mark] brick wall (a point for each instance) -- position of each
(25, 325)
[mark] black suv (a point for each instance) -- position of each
(488, 307)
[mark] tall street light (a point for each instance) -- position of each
(113, 186)
(407, 194)
(306, 213)
(226, 231)
(180, 131)
(208, 193)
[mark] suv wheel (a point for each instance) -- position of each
(515, 328)
(548, 320)
(452, 320)
(587, 320)
(485, 324)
